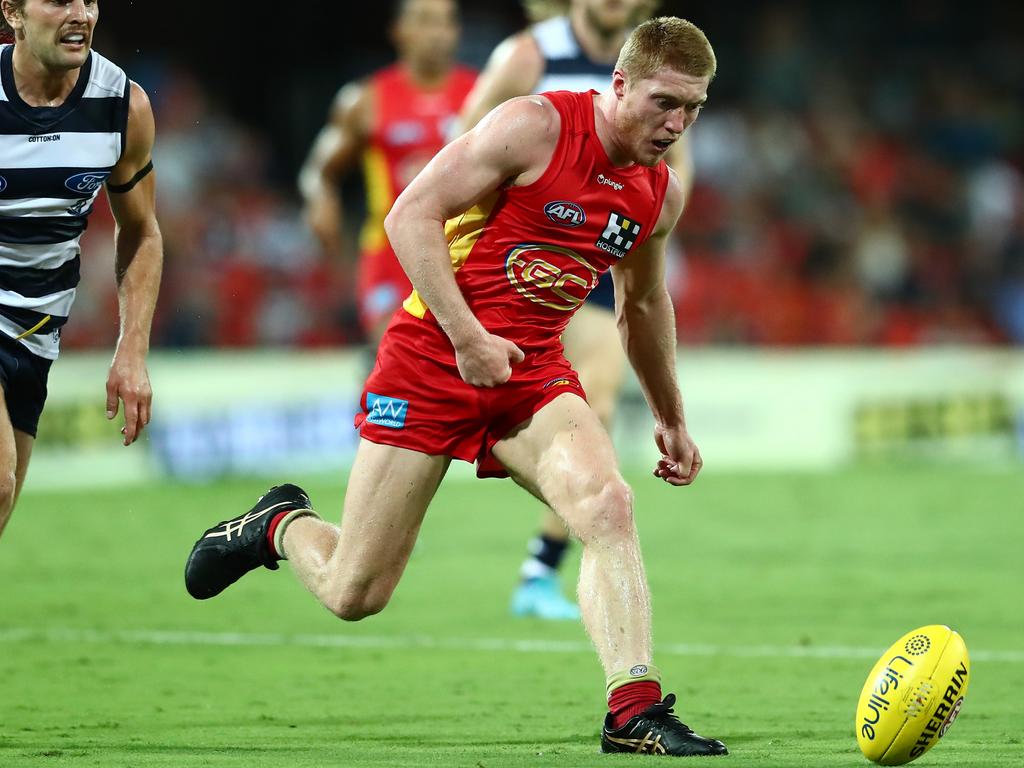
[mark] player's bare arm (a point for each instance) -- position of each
(138, 264)
(647, 326)
(513, 145)
(336, 151)
(513, 69)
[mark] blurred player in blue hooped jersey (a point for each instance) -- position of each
(572, 46)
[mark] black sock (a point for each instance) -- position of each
(546, 556)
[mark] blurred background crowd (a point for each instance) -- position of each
(858, 172)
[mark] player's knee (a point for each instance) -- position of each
(607, 512)
(353, 608)
(356, 604)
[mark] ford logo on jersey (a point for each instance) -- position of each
(565, 213)
(86, 182)
(3, 183)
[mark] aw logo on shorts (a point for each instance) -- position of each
(3, 183)
(550, 275)
(619, 236)
(386, 411)
(565, 213)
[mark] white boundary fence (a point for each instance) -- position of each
(219, 413)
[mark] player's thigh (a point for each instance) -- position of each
(593, 347)
(563, 455)
(388, 493)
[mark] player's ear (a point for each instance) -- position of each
(619, 83)
(11, 14)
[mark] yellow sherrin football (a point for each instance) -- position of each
(913, 695)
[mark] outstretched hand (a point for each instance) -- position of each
(680, 459)
(128, 383)
(488, 361)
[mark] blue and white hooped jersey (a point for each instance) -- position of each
(566, 66)
(53, 161)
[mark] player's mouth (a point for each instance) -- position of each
(662, 145)
(75, 41)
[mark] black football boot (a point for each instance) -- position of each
(656, 731)
(234, 547)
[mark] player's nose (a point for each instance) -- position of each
(76, 11)
(676, 121)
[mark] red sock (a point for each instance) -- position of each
(273, 529)
(631, 699)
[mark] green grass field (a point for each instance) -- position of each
(772, 595)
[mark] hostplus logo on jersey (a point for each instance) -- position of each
(565, 213)
(86, 182)
(619, 236)
(386, 411)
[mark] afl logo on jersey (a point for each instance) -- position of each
(3, 183)
(405, 132)
(86, 182)
(550, 275)
(565, 213)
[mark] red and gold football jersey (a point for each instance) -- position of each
(526, 257)
(410, 125)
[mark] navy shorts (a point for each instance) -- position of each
(23, 377)
(603, 295)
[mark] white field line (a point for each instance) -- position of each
(69, 636)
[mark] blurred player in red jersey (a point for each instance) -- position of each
(393, 123)
(504, 234)
(573, 47)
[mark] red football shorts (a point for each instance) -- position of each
(415, 398)
(383, 286)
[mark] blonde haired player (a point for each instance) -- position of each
(572, 46)
(471, 368)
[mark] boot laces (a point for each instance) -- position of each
(662, 711)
